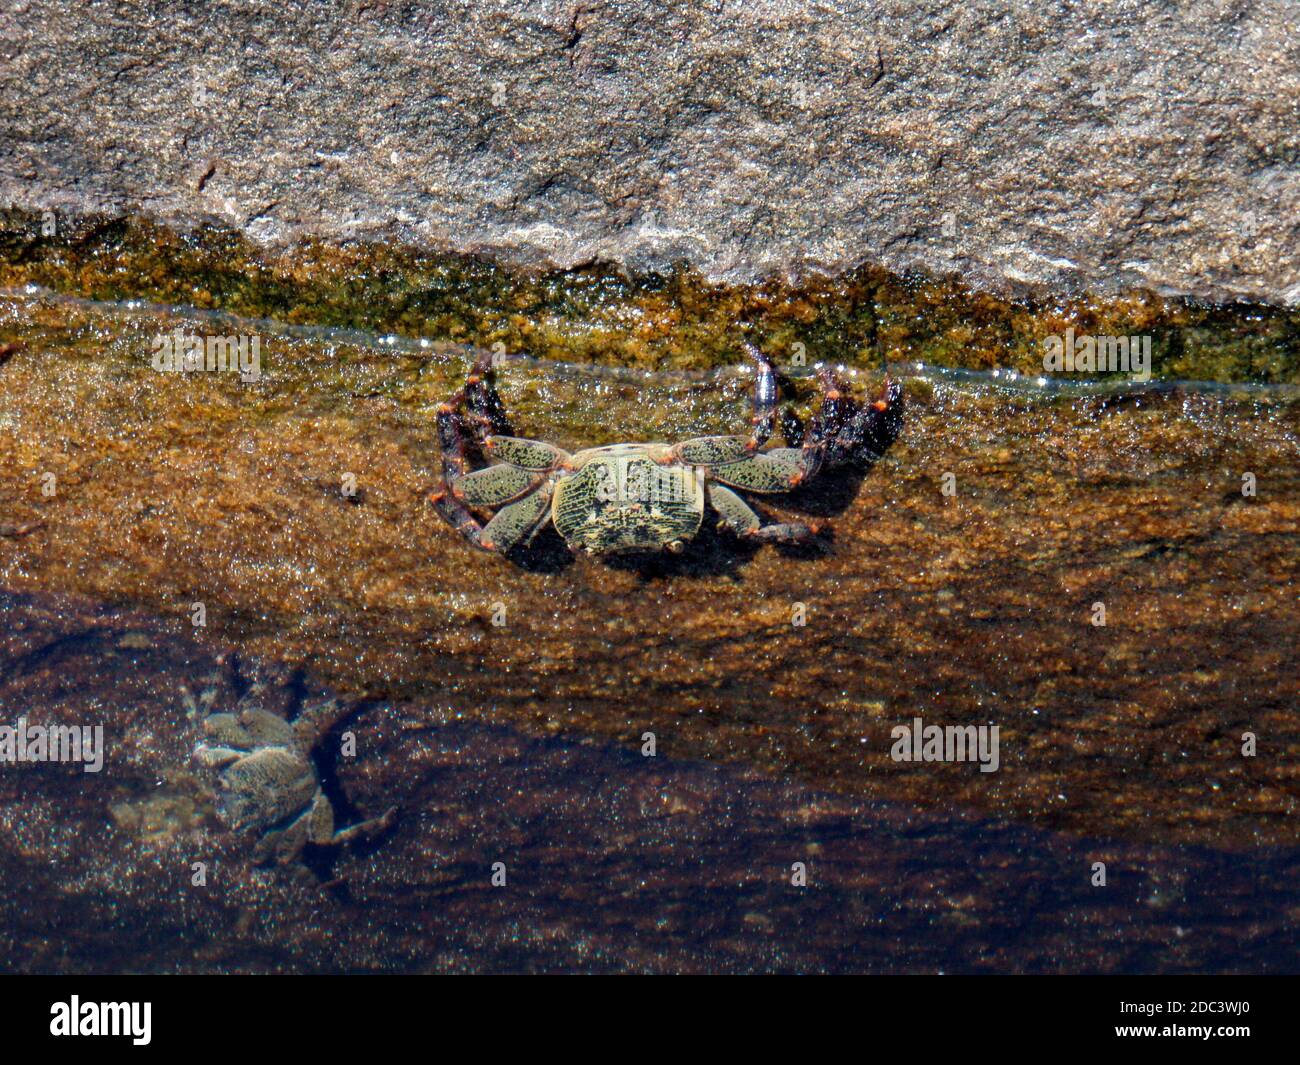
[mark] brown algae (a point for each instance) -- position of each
(295, 509)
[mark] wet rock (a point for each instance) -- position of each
(605, 860)
(975, 606)
(1073, 146)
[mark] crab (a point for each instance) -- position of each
(645, 497)
(269, 784)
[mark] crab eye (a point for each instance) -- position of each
(675, 546)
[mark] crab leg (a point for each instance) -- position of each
(313, 722)
(495, 486)
(452, 416)
(526, 461)
(845, 430)
(451, 441)
(533, 455)
(781, 469)
(740, 518)
(875, 426)
(763, 419)
(455, 467)
(485, 404)
(475, 412)
(364, 829)
(837, 404)
(519, 484)
(485, 426)
(792, 427)
(458, 516)
(716, 450)
(511, 525)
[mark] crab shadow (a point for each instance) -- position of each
(319, 860)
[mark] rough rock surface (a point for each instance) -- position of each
(166, 489)
(1093, 145)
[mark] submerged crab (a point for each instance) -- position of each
(269, 784)
(644, 497)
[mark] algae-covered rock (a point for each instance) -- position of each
(676, 319)
(515, 852)
(962, 585)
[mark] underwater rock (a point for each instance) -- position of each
(519, 853)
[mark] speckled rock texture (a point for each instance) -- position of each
(613, 862)
(169, 489)
(1031, 145)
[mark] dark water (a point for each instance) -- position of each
(614, 861)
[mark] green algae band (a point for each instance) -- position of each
(670, 321)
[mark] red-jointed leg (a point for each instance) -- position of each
(458, 516)
(487, 412)
(719, 450)
(792, 532)
(452, 443)
(845, 430)
(737, 515)
(874, 426)
(837, 409)
(519, 485)
(512, 525)
(473, 407)
(782, 469)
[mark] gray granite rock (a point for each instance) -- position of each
(1099, 144)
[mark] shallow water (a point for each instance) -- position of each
(1119, 743)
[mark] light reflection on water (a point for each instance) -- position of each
(999, 379)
